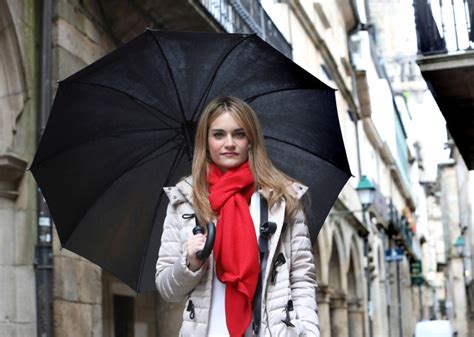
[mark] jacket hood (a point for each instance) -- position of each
(182, 192)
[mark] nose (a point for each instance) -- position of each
(229, 141)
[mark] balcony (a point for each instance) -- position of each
(401, 228)
(446, 60)
(247, 16)
(125, 19)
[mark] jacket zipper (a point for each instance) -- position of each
(288, 308)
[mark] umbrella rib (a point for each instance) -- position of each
(149, 107)
(107, 187)
(213, 77)
(131, 97)
(171, 74)
(306, 150)
(144, 161)
(252, 98)
(176, 160)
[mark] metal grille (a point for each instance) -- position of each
(444, 25)
(247, 16)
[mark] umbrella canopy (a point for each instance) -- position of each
(123, 127)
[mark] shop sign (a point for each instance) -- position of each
(394, 254)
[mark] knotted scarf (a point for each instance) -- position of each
(235, 247)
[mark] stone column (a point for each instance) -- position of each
(17, 279)
(339, 316)
(323, 294)
(459, 297)
(356, 318)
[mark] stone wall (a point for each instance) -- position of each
(78, 39)
(18, 103)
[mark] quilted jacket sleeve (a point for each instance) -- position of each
(173, 279)
(303, 277)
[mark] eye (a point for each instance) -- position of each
(218, 134)
(239, 134)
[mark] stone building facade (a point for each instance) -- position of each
(88, 301)
(456, 207)
(18, 104)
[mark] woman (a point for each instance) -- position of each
(260, 279)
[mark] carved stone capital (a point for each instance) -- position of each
(354, 304)
(338, 301)
(323, 293)
(12, 169)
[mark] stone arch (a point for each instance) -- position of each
(321, 251)
(12, 86)
(378, 289)
(336, 275)
(355, 291)
(356, 270)
(338, 286)
(344, 231)
(318, 262)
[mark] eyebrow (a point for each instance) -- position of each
(222, 130)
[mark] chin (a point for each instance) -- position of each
(229, 166)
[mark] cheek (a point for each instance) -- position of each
(244, 146)
(213, 146)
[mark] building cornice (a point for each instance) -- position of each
(322, 46)
(386, 155)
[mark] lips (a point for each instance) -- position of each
(230, 154)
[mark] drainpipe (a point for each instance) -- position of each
(43, 251)
(356, 118)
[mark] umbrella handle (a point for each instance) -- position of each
(211, 236)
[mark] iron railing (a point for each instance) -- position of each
(399, 226)
(406, 233)
(247, 16)
(444, 25)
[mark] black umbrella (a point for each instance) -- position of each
(122, 128)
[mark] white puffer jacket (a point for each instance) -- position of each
(294, 280)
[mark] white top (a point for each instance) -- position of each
(217, 323)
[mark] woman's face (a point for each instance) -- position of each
(227, 142)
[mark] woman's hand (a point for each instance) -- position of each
(195, 244)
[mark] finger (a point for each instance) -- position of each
(200, 238)
(195, 244)
(198, 244)
(197, 236)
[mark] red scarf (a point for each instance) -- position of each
(235, 248)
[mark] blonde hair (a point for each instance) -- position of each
(275, 184)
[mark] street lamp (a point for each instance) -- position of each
(459, 245)
(366, 191)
